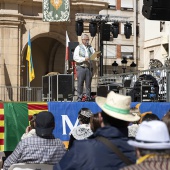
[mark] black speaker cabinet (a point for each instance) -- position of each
(152, 13)
(71, 47)
(46, 88)
(157, 3)
(58, 87)
(102, 91)
(105, 32)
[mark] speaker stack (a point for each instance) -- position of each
(58, 87)
(156, 9)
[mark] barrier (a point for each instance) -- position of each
(14, 117)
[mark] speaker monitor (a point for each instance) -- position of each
(72, 46)
(152, 13)
(157, 3)
(105, 32)
(102, 91)
(62, 87)
(46, 87)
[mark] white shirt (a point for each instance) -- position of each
(76, 55)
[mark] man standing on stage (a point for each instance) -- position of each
(84, 68)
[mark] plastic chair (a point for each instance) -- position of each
(25, 166)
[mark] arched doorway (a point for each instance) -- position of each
(48, 55)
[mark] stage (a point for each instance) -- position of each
(14, 117)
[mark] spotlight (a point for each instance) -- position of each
(128, 30)
(115, 29)
(93, 28)
(79, 27)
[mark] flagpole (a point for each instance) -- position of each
(28, 82)
(30, 68)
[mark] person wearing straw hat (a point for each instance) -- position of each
(93, 153)
(152, 145)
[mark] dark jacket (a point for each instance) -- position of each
(91, 154)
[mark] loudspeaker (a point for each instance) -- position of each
(71, 47)
(46, 88)
(102, 91)
(58, 87)
(157, 3)
(62, 87)
(152, 13)
(105, 32)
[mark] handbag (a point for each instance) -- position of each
(115, 149)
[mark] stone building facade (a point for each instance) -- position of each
(48, 39)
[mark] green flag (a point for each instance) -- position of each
(56, 10)
(16, 121)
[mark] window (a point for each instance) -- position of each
(126, 4)
(151, 54)
(127, 51)
(109, 51)
(112, 2)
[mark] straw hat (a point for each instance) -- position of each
(152, 135)
(117, 106)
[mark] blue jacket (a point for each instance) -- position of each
(91, 154)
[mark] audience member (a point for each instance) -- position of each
(40, 148)
(149, 117)
(84, 116)
(143, 115)
(80, 132)
(93, 153)
(94, 122)
(30, 130)
(166, 120)
(152, 147)
(83, 130)
(133, 127)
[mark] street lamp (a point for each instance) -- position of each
(124, 64)
(132, 66)
(115, 65)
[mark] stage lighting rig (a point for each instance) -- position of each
(115, 29)
(98, 18)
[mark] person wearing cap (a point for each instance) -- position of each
(82, 131)
(93, 153)
(82, 54)
(40, 148)
(30, 130)
(152, 143)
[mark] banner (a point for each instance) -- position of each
(56, 10)
(14, 116)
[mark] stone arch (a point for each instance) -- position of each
(48, 53)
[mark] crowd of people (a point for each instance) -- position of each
(118, 137)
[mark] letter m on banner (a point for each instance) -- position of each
(56, 10)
